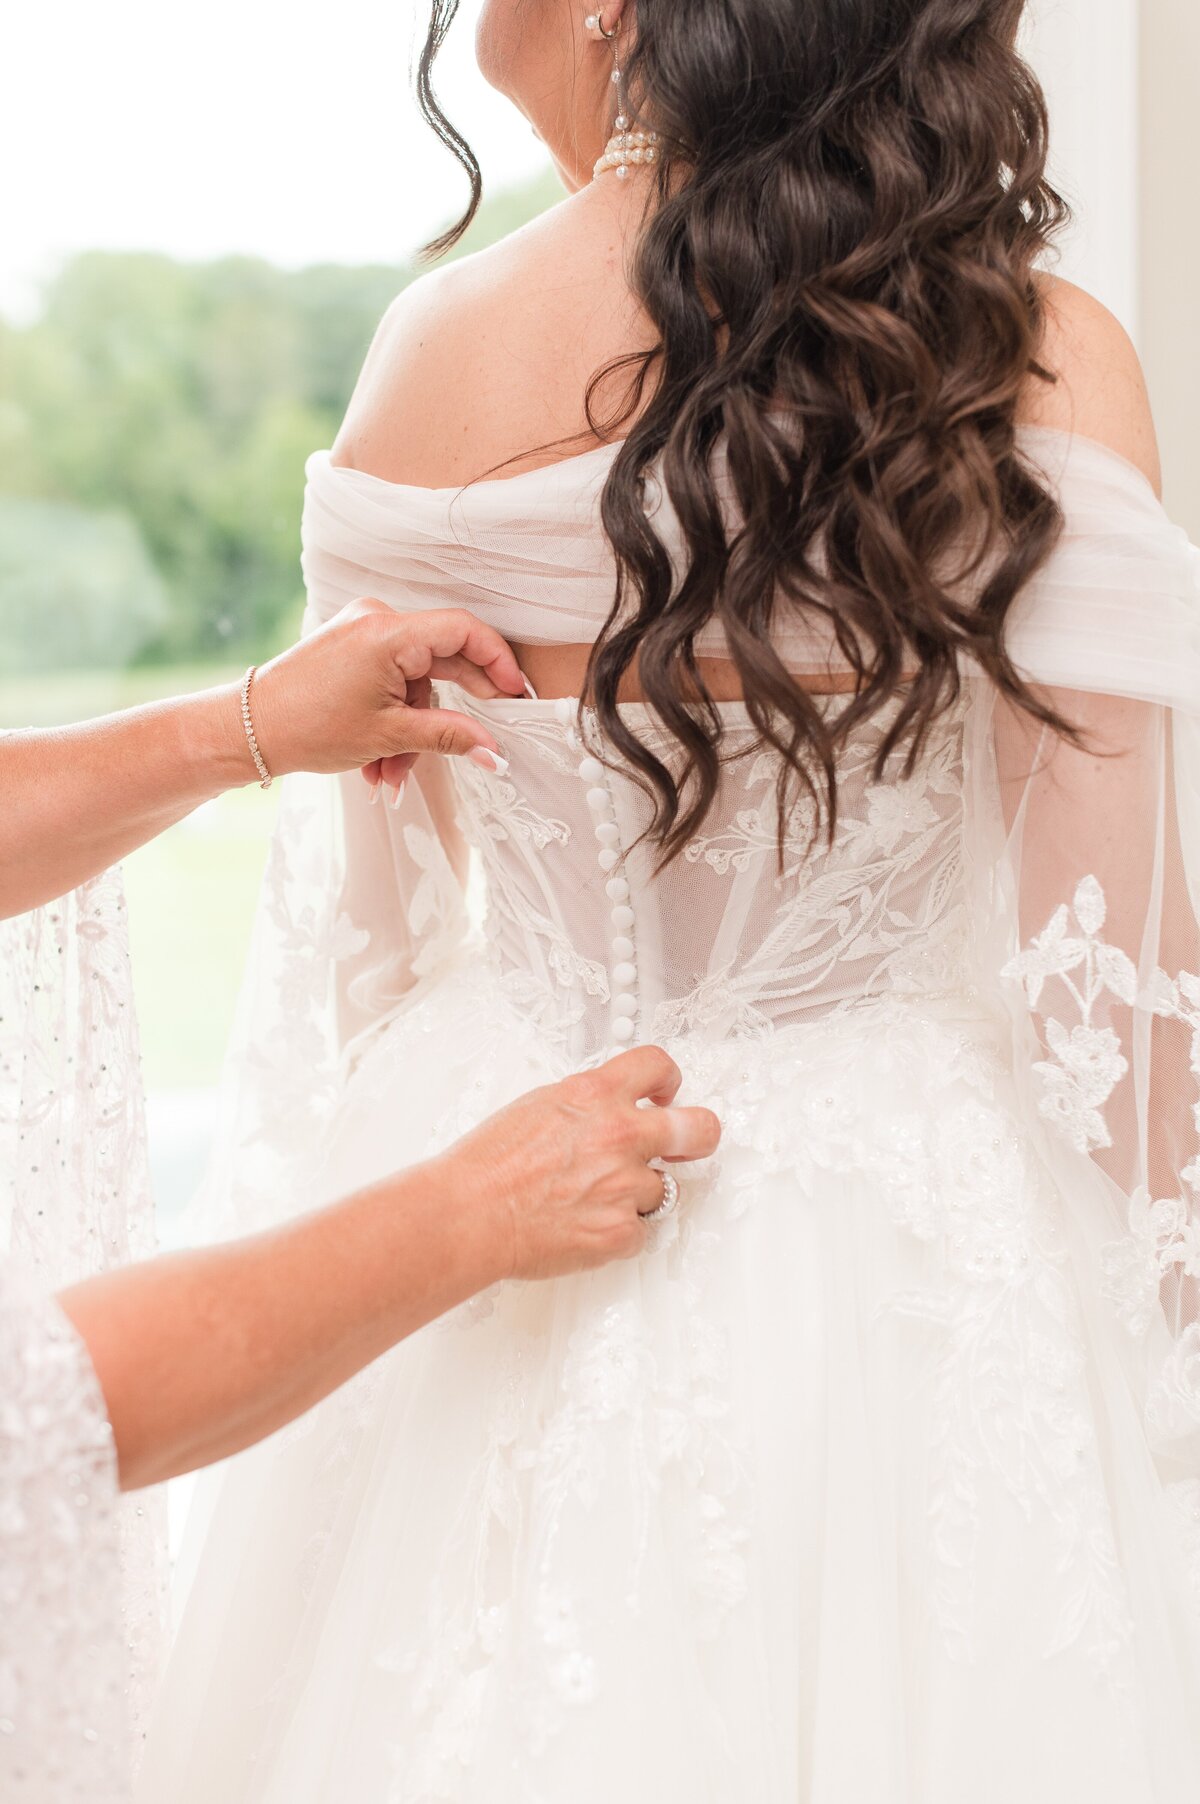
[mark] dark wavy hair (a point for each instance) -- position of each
(839, 259)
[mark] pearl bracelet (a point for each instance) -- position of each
(265, 777)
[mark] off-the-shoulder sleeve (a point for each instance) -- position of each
(1116, 608)
(64, 1732)
(526, 553)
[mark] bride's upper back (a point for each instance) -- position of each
(477, 376)
(487, 359)
(465, 475)
(466, 468)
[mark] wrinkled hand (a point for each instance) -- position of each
(356, 693)
(563, 1172)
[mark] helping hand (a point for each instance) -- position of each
(356, 693)
(563, 1175)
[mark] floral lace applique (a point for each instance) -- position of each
(1009, 1397)
(1163, 1240)
(435, 907)
(613, 1418)
(281, 1118)
(1088, 1063)
(950, 1166)
(496, 810)
(1173, 1408)
(716, 1004)
(885, 815)
(885, 897)
(1164, 1237)
(1156, 1264)
(753, 833)
(570, 969)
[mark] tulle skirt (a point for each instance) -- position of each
(842, 1493)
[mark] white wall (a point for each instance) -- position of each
(1086, 53)
(1169, 243)
(1123, 81)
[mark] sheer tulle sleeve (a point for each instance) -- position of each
(362, 904)
(1101, 871)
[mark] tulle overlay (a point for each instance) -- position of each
(878, 1476)
(817, 1500)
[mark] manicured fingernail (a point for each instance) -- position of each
(373, 792)
(486, 760)
(397, 795)
(530, 691)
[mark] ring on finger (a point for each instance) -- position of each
(670, 1198)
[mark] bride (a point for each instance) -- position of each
(876, 1478)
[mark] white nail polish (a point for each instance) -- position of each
(373, 792)
(397, 795)
(486, 760)
(530, 691)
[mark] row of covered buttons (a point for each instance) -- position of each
(624, 970)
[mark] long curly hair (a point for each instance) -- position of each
(839, 260)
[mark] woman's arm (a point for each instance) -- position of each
(77, 799)
(203, 1353)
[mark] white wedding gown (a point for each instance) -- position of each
(877, 1479)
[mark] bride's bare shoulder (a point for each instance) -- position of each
(481, 364)
(1100, 389)
(485, 357)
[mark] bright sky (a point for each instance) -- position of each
(288, 129)
(283, 129)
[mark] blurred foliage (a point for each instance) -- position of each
(60, 568)
(154, 425)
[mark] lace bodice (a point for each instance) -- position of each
(733, 939)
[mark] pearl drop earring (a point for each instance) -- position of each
(625, 147)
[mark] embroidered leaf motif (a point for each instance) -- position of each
(1162, 1245)
(1117, 973)
(1091, 910)
(1088, 1063)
